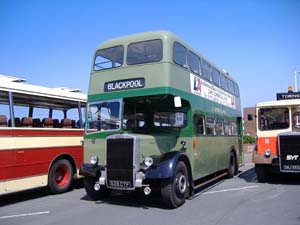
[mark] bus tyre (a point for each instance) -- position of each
(261, 173)
(60, 176)
(89, 183)
(231, 165)
(175, 190)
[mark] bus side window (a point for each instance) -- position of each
(180, 54)
(198, 124)
(210, 126)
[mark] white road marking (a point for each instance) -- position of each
(232, 189)
(26, 214)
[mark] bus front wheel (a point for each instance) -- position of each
(174, 190)
(60, 176)
(89, 183)
(261, 173)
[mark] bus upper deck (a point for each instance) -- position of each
(146, 61)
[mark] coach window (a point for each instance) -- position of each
(109, 58)
(224, 82)
(194, 63)
(230, 86)
(144, 52)
(236, 90)
(180, 54)
(216, 77)
(206, 70)
(219, 127)
(274, 118)
(210, 126)
(4, 109)
(198, 124)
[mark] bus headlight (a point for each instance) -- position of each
(148, 161)
(94, 160)
(267, 153)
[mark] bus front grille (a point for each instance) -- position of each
(289, 152)
(120, 163)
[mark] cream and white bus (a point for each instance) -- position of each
(40, 136)
(278, 136)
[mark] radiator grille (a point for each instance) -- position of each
(289, 152)
(120, 165)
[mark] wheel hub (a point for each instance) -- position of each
(181, 183)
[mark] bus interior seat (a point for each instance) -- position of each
(48, 122)
(37, 123)
(26, 122)
(66, 123)
(17, 122)
(3, 121)
(56, 123)
(73, 123)
(130, 124)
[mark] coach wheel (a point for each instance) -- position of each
(89, 183)
(231, 165)
(60, 176)
(261, 173)
(174, 190)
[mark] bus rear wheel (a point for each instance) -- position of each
(60, 176)
(174, 190)
(232, 168)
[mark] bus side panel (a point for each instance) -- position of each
(25, 154)
(205, 159)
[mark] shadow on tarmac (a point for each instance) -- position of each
(31, 194)
(274, 178)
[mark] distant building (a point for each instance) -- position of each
(249, 125)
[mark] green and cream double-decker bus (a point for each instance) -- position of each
(160, 117)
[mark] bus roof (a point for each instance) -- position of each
(159, 34)
(18, 85)
(289, 102)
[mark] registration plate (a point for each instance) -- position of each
(119, 184)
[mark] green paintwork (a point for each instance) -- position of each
(165, 77)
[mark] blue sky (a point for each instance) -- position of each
(51, 43)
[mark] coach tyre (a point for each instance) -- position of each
(89, 183)
(174, 190)
(231, 165)
(261, 173)
(60, 176)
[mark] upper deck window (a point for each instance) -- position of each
(236, 90)
(224, 82)
(206, 70)
(144, 52)
(230, 86)
(109, 58)
(194, 63)
(274, 118)
(180, 54)
(216, 77)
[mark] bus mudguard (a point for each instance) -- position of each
(89, 170)
(164, 167)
